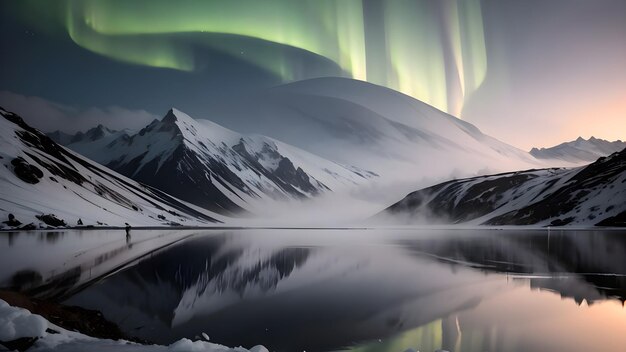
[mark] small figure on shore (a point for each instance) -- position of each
(127, 229)
(79, 222)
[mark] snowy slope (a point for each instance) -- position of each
(581, 151)
(219, 169)
(40, 177)
(376, 128)
(591, 195)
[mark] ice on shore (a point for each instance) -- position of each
(17, 323)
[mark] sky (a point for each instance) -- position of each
(530, 73)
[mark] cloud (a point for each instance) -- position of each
(49, 116)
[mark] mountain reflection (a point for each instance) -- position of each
(580, 265)
(363, 290)
(183, 276)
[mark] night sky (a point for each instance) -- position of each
(531, 73)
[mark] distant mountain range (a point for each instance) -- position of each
(359, 141)
(579, 151)
(214, 167)
(97, 134)
(44, 184)
(590, 195)
(338, 134)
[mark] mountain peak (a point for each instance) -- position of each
(174, 115)
(170, 117)
(579, 150)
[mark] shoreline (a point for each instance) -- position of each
(73, 318)
(368, 228)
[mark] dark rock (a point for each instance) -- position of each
(51, 219)
(12, 221)
(286, 176)
(25, 171)
(618, 220)
(21, 344)
(86, 321)
(296, 177)
(28, 227)
(561, 222)
(458, 201)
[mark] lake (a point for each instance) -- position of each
(338, 289)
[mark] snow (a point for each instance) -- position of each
(105, 197)
(210, 142)
(407, 143)
(334, 129)
(17, 323)
(599, 202)
(580, 151)
(367, 143)
(210, 133)
(377, 128)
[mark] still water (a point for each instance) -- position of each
(336, 290)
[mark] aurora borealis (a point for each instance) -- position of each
(433, 51)
(531, 73)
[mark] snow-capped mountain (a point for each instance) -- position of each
(90, 142)
(216, 168)
(590, 195)
(407, 142)
(579, 151)
(97, 133)
(44, 183)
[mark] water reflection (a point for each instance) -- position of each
(361, 290)
(582, 265)
(55, 265)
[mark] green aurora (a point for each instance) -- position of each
(431, 50)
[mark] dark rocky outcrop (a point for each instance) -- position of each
(13, 222)
(618, 220)
(286, 176)
(52, 220)
(86, 321)
(569, 196)
(25, 171)
(28, 227)
(296, 177)
(558, 200)
(21, 344)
